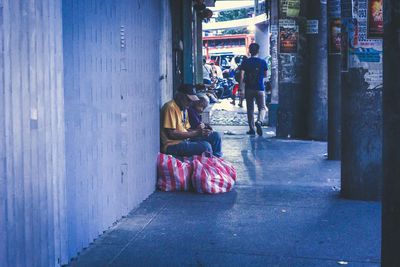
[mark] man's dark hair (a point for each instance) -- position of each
(254, 48)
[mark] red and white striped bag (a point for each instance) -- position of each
(173, 174)
(212, 175)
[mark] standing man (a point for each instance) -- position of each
(216, 71)
(252, 73)
(176, 136)
(206, 72)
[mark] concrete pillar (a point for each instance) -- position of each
(166, 68)
(292, 74)
(177, 42)
(318, 66)
(262, 38)
(274, 20)
(198, 42)
(391, 134)
(188, 44)
(361, 105)
(334, 80)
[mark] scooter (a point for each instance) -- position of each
(223, 88)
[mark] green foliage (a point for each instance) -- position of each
(234, 14)
(236, 31)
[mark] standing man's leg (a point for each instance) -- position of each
(260, 100)
(249, 94)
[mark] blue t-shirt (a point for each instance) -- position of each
(194, 118)
(254, 69)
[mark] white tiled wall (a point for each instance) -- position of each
(97, 64)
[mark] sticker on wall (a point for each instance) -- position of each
(355, 5)
(369, 55)
(312, 26)
(374, 77)
(288, 36)
(287, 68)
(334, 9)
(274, 29)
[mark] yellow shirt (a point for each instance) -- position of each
(172, 117)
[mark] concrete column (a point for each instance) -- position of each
(262, 38)
(272, 113)
(177, 42)
(292, 74)
(318, 66)
(391, 134)
(334, 80)
(361, 106)
(188, 49)
(166, 68)
(198, 48)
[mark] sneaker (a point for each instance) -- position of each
(259, 128)
(251, 132)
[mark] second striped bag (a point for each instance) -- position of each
(212, 175)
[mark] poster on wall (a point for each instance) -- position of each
(335, 36)
(365, 47)
(375, 19)
(289, 8)
(288, 36)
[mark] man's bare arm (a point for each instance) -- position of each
(179, 135)
(241, 83)
(241, 79)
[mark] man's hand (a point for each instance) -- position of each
(241, 94)
(201, 126)
(205, 132)
(178, 135)
(241, 90)
(207, 126)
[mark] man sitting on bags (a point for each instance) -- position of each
(176, 136)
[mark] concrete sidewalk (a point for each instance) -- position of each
(224, 113)
(284, 211)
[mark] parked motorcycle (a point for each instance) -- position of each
(223, 88)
